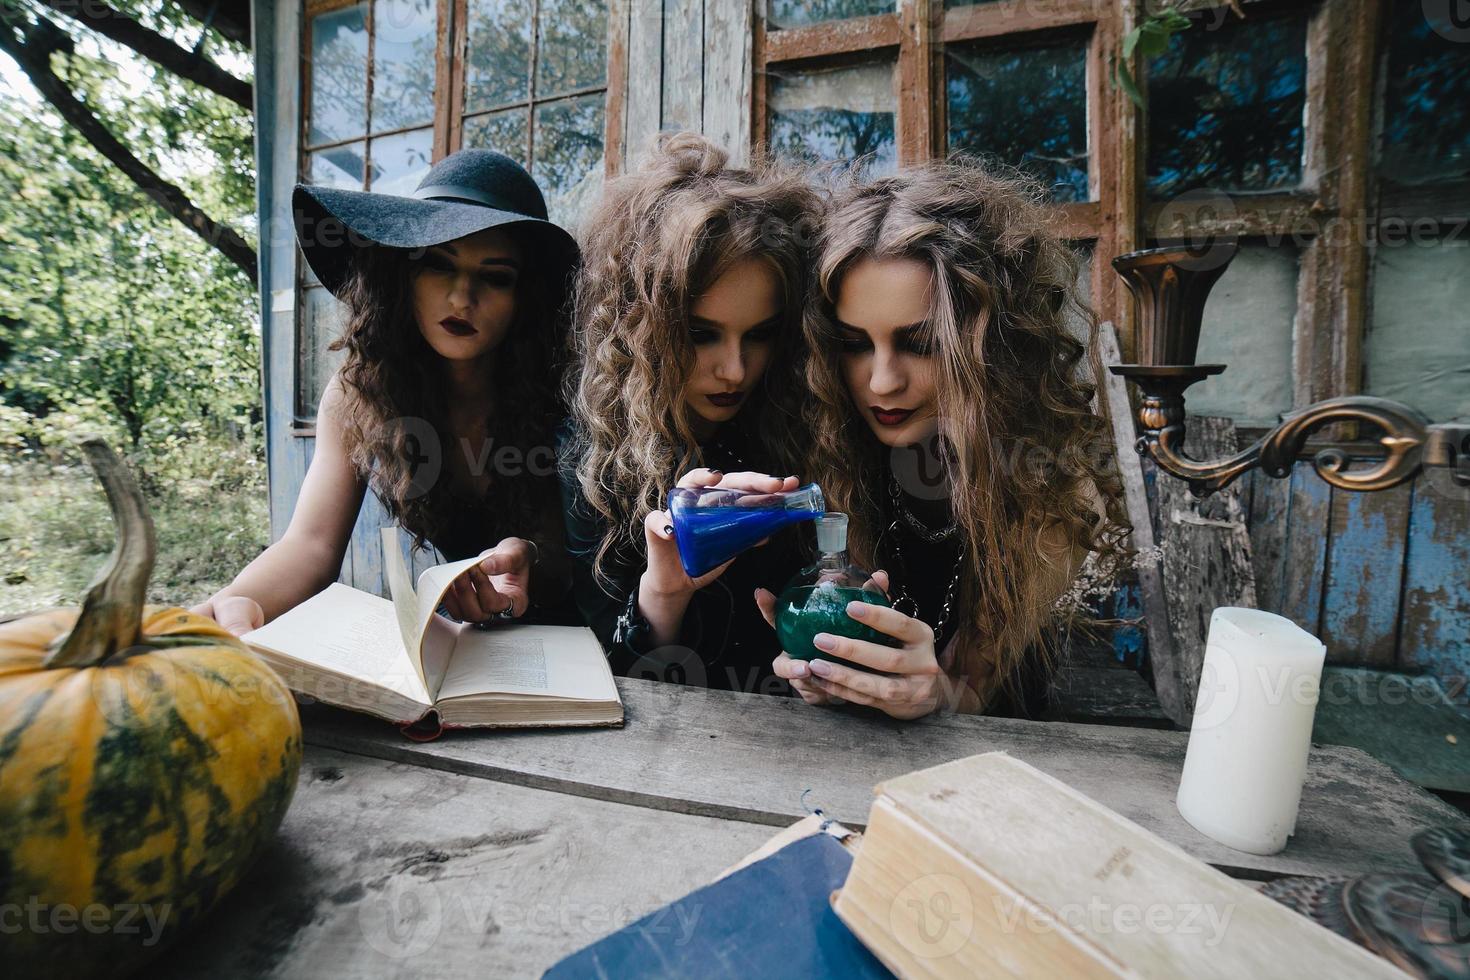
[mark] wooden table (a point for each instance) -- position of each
(497, 853)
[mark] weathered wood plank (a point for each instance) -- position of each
(683, 90)
(1270, 500)
(615, 135)
(728, 63)
(385, 870)
(1365, 574)
(1207, 564)
(752, 757)
(1135, 494)
(1435, 633)
(1111, 695)
(1411, 723)
(832, 38)
(367, 547)
(278, 125)
(644, 108)
(1304, 563)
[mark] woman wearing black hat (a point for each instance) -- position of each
(446, 401)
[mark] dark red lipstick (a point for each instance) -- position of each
(458, 326)
(890, 416)
(727, 399)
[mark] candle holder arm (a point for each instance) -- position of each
(1408, 440)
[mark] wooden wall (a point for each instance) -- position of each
(1383, 578)
(689, 68)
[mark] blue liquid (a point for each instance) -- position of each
(710, 536)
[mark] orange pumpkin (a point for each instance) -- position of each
(146, 759)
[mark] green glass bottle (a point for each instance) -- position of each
(815, 601)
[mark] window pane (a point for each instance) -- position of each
(321, 321)
(1027, 108)
(572, 51)
(339, 45)
(503, 131)
(795, 13)
(1418, 345)
(568, 161)
(403, 63)
(1426, 112)
(1247, 327)
(498, 63)
(341, 166)
(1226, 108)
(834, 114)
(400, 161)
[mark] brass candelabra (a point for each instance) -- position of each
(1170, 286)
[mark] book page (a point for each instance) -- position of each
(429, 639)
(344, 631)
(552, 661)
(438, 633)
(405, 600)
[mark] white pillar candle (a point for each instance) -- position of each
(1247, 755)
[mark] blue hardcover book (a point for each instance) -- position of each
(770, 919)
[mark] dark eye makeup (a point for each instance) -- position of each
(759, 334)
(914, 340)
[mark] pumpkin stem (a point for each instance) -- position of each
(112, 613)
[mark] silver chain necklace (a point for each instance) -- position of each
(916, 525)
(904, 596)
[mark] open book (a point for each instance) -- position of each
(400, 660)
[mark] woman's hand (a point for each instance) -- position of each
(664, 590)
(237, 613)
(793, 671)
(500, 582)
(665, 575)
(912, 683)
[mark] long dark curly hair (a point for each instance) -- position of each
(659, 238)
(396, 388)
(1009, 389)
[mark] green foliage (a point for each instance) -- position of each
(115, 317)
(116, 320)
(56, 532)
(1151, 38)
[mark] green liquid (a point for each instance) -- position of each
(803, 612)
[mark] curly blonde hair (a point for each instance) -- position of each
(1008, 389)
(658, 239)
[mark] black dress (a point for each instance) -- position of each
(925, 570)
(474, 526)
(724, 641)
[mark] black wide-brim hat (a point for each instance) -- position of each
(465, 193)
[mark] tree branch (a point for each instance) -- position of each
(231, 18)
(98, 16)
(34, 58)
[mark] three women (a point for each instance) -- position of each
(904, 358)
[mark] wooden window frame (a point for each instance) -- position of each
(1340, 61)
(451, 47)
